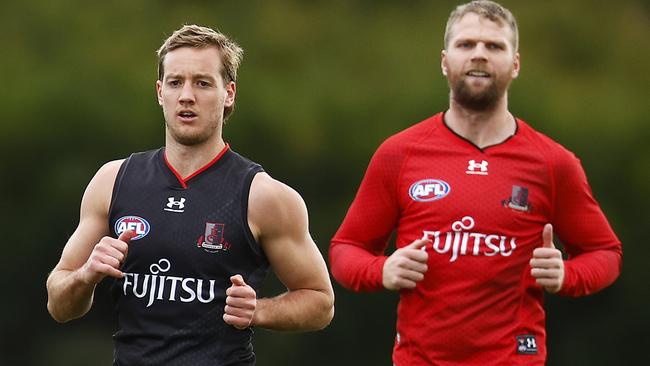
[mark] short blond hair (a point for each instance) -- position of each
(487, 9)
(200, 37)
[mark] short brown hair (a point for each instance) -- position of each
(200, 37)
(487, 9)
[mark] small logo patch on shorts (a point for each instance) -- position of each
(526, 344)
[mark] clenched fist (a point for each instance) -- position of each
(241, 301)
(106, 258)
(406, 266)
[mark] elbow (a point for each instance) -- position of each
(327, 319)
(342, 274)
(329, 309)
(330, 316)
(59, 308)
(52, 307)
(54, 314)
(61, 314)
(325, 312)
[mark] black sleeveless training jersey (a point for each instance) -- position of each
(192, 235)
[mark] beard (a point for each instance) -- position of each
(190, 137)
(478, 100)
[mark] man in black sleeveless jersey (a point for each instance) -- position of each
(187, 232)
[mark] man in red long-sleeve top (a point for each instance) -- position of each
(475, 196)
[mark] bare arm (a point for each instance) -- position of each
(87, 257)
(278, 218)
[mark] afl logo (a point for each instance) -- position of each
(135, 223)
(429, 190)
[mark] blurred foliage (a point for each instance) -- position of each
(322, 84)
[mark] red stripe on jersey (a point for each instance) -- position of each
(182, 181)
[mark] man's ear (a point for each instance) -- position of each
(159, 92)
(517, 66)
(443, 62)
(231, 92)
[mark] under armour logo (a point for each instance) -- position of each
(477, 168)
(530, 343)
(526, 344)
(175, 206)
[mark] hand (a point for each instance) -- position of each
(547, 263)
(406, 266)
(241, 301)
(106, 258)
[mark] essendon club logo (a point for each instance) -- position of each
(518, 200)
(213, 241)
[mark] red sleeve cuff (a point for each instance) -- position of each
(590, 272)
(355, 268)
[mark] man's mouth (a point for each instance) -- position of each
(478, 73)
(186, 115)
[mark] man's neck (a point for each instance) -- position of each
(484, 128)
(186, 160)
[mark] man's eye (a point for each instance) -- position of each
(173, 83)
(203, 83)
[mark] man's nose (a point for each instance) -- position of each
(187, 93)
(479, 53)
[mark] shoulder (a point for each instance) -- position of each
(110, 169)
(554, 153)
(107, 173)
(100, 188)
(269, 195)
(273, 205)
